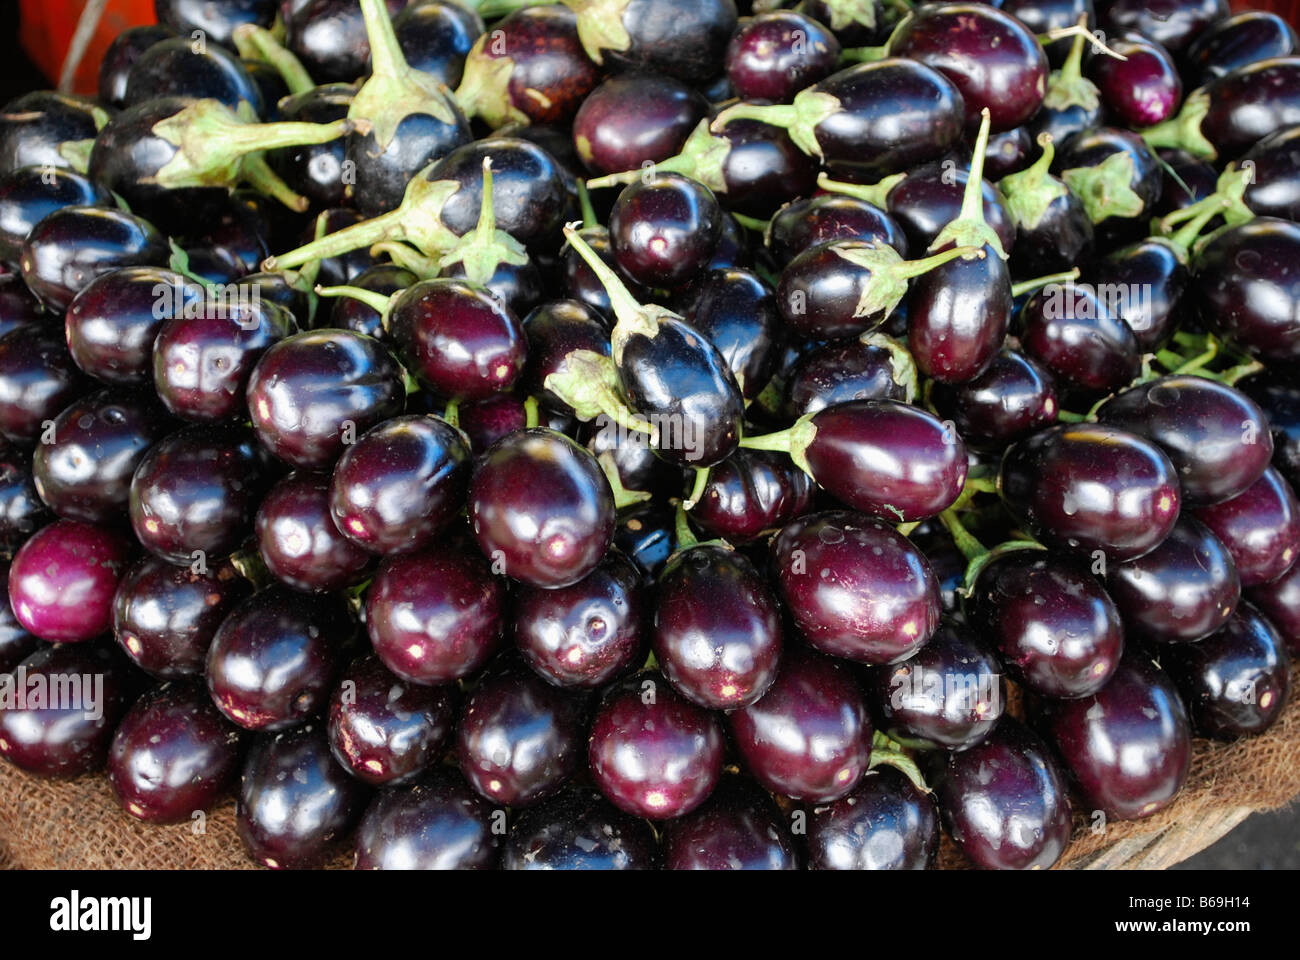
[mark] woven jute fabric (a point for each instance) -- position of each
(77, 824)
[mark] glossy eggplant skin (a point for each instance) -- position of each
(1129, 745)
(736, 311)
(74, 245)
(1278, 395)
(888, 459)
(1056, 629)
(1248, 104)
(1235, 681)
(1216, 437)
(34, 126)
(528, 187)
(126, 159)
(678, 380)
(294, 799)
(750, 492)
(1062, 238)
(1275, 189)
(737, 828)
(437, 36)
(1096, 146)
(930, 198)
(712, 592)
(1013, 398)
(1005, 800)
(949, 694)
(840, 614)
(633, 118)
(993, 59)
(842, 370)
(1181, 591)
(1246, 282)
(1237, 41)
(763, 169)
(811, 221)
(886, 823)
(382, 173)
(438, 823)
(1279, 601)
(181, 68)
(316, 171)
(895, 114)
(1064, 483)
(958, 315)
(579, 830)
(27, 195)
(1156, 268)
(70, 739)
(686, 39)
(216, 20)
(1172, 23)
(329, 37)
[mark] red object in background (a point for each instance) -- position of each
(48, 25)
(46, 29)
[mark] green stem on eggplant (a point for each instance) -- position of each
(589, 218)
(623, 497)
(417, 221)
(876, 194)
(1028, 286)
(698, 486)
(394, 90)
(260, 45)
(483, 250)
(970, 229)
(793, 440)
(1029, 194)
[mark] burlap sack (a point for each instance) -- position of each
(77, 824)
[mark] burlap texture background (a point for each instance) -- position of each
(77, 824)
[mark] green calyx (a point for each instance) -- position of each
(799, 119)
(970, 229)
(484, 89)
(876, 193)
(259, 44)
(379, 302)
(623, 497)
(890, 272)
(77, 153)
(588, 382)
(485, 248)
(600, 26)
(1183, 234)
(1068, 87)
(395, 91)
(1228, 200)
(407, 257)
(847, 13)
(703, 156)
(1027, 195)
(793, 441)
(890, 753)
(632, 317)
(1106, 190)
(417, 221)
(214, 145)
(1183, 131)
(902, 365)
(976, 564)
